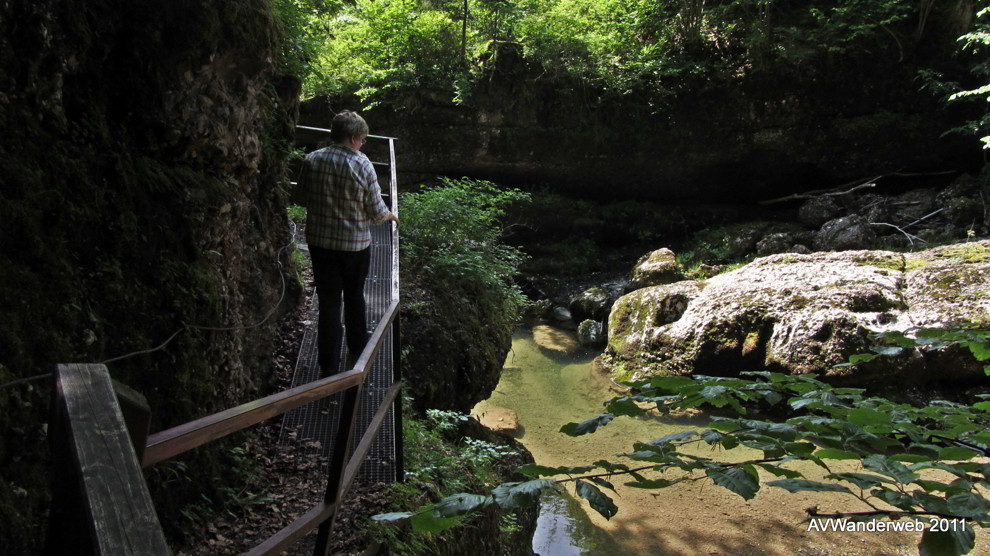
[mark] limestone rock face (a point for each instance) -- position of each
(805, 313)
(654, 268)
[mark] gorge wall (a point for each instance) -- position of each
(743, 135)
(141, 160)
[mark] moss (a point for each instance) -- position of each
(915, 263)
(752, 343)
(889, 262)
(969, 253)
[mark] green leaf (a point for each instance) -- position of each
(804, 485)
(598, 500)
(392, 516)
(980, 350)
(624, 406)
(460, 504)
(889, 467)
(862, 480)
(894, 498)
(430, 522)
(799, 448)
(947, 543)
(674, 437)
(955, 453)
(534, 470)
(832, 453)
(586, 427)
(673, 384)
(968, 504)
(653, 484)
(602, 483)
(864, 416)
(910, 458)
(780, 471)
(861, 358)
(744, 480)
(611, 467)
(518, 495)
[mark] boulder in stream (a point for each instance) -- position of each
(591, 333)
(805, 314)
(592, 303)
(656, 267)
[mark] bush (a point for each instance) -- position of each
(459, 302)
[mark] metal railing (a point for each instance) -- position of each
(98, 462)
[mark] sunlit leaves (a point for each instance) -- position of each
(804, 485)
(742, 480)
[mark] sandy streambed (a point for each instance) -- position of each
(691, 518)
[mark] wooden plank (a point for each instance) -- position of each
(172, 442)
(350, 472)
(137, 415)
(177, 440)
(115, 494)
(281, 541)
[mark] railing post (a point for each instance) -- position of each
(137, 415)
(341, 453)
(102, 504)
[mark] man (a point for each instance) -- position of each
(342, 199)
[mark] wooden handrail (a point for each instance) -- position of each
(97, 473)
(185, 437)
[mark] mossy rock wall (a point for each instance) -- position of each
(143, 148)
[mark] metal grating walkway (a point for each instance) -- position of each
(316, 423)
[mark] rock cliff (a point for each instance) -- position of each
(143, 149)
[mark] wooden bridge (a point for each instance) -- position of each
(101, 503)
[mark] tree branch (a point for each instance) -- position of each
(824, 192)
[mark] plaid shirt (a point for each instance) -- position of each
(342, 198)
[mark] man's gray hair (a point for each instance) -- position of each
(346, 125)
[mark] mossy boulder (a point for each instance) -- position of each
(591, 333)
(805, 314)
(592, 303)
(655, 267)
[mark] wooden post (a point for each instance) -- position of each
(101, 499)
(137, 415)
(341, 451)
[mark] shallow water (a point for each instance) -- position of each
(547, 391)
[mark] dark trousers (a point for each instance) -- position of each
(340, 274)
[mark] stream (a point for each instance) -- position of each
(547, 390)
